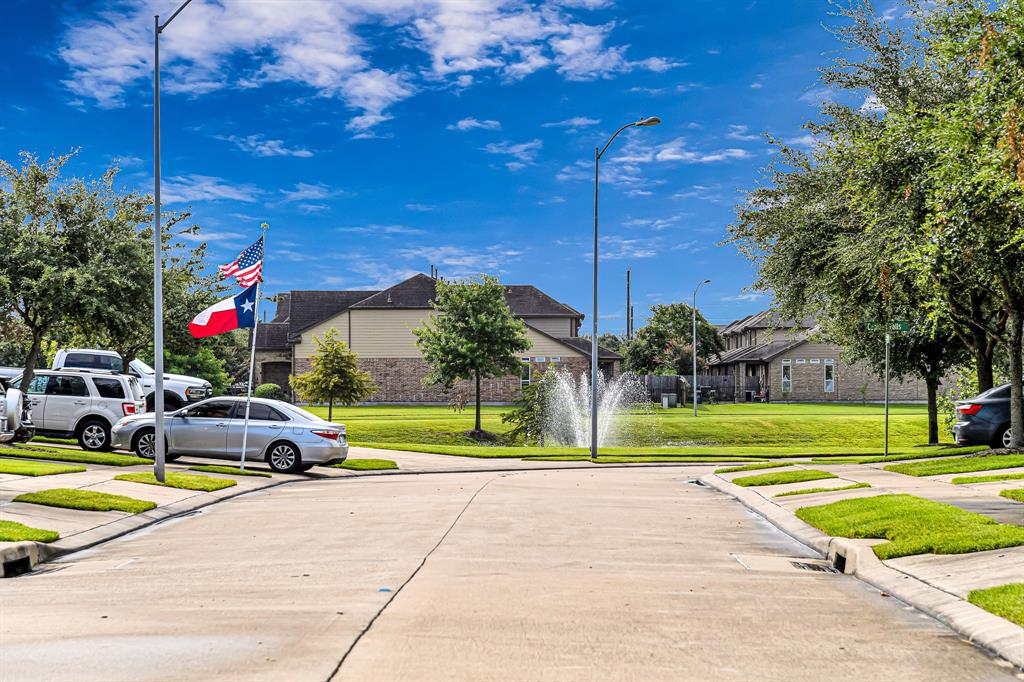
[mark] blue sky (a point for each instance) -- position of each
(378, 137)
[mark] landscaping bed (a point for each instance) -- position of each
(29, 468)
(68, 455)
(912, 525)
(1006, 601)
(366, 464)
(808, 491)
(966, 480)
(12, 531)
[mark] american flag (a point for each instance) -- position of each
(248, 267)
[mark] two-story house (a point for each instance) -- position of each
(378, 326)
(771, 358)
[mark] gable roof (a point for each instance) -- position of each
(272, 336)
(764, 352)
(310, 308)
(767, 319)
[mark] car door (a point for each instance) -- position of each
(265, 425)
(201, 429)
(35, 395)
(67, 401)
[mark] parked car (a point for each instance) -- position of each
(985, 419)
(81, 404)
(179, 389)
(287, 437)
(15, 417)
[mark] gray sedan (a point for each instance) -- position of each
(287, 437)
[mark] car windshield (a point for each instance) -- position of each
(143, 367)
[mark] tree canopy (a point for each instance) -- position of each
(664, 345)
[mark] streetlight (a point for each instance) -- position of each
(158, 276)
(694, 349)
(598, 153)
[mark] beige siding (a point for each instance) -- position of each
(307, 346)
(386, 333)
(556, 326)
(542, 346)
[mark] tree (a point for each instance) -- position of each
(665, 344)
(334, 376)
(472, 336)
(612, 342)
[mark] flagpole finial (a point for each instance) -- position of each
(264, 226)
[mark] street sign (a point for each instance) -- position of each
(900, 326)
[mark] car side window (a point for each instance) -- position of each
(109, 388)
(216, 410)
(67, 386)
(37, 387)
(260, 412)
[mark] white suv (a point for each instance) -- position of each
(82, 404)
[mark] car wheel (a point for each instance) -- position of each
(1006, 438)
(94, 435)
(284, 458)
(144, 445)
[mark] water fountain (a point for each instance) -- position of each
(567, 410)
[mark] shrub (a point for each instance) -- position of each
(270, 391)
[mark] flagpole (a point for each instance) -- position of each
(252, 350)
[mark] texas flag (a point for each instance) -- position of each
(223, 316)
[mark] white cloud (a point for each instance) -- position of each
(524, 153)
(807, 141)
(184, 189)
(756, 86)
(420, 208)
(816, 96)
(741, 132)
(380, 229)
(873, 105)
(750, 297)
(582, 55)
(458, 261)
(371, 274)
(676, 150)
(574, 122)
(655, 223)
(614, 247)
(305, 191)
(258, 145)
(471, 123)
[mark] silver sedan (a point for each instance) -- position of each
(287, 437)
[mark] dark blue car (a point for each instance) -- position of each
(985, 419)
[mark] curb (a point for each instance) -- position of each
(857, 558)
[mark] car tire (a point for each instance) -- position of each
(142, 446)
(284, 458)
(1003, 437)
(94, 435)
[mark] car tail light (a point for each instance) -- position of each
(329, 435)
(969, 409)
(128, 408)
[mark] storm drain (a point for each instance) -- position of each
(784, 564)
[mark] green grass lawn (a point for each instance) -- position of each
(29, 468)
(68, 455)
(1016, 494)
(958, 465)
(965, 480)
(87, 500)
(234, 471)
(822, 427)
(753, 467)
(182, 481)
(781, 477)
(808, 491)
(12, 531)
(912, 525)
(904, 454)
(1006, 601)
(48, 439)
(366, 464)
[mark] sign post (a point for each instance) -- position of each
(895, 326)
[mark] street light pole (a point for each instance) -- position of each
(598, 153)
(159, 454)
(693, 350)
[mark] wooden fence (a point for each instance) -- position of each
(724, 387)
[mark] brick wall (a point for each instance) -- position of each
(853, 382)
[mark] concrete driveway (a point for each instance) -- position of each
(565, 575)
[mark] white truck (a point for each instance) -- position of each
(179, 390)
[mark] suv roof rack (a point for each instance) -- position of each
(83, 370)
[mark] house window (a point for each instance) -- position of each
(526, 374)
(801, 361)
(555, 358)
(541, 359)
(830, 376)
(787, 376)
(815, 361)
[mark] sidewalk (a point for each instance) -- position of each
(935, 584)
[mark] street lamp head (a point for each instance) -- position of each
(707, 281)
(648, 121)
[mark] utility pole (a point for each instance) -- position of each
(888, 340)
(629, 308)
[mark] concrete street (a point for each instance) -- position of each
(628, 573)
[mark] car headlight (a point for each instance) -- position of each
(194, 392)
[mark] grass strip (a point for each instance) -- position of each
(12, 531)
(781, 477)
(22, 468)
(48, 439)
(181, 481)
(86, 500)
(912, 525)
(958, 465)
(234, 471)
(1015, 494)
(366, 464)
(966, 480)
(808, 491)
(107, 458)
(638, 459)
(1006, 601)
(919, 454)
(753, 467)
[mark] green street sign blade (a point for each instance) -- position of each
(901, 326)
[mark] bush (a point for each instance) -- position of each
(271, 391)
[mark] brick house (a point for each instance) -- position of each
(781, 360)
(378, 326)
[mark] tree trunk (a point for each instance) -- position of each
(32, 359)
(330, 408)
(478, 429)
(983, 365)
(1016, 372)
(932, 382)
